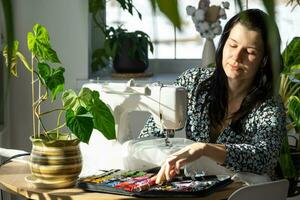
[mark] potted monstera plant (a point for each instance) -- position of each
(55, 156)
(290, 93)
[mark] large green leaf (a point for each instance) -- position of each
(99, 112)
(53, 78)
(79, 123)
(270, 7)
(291, 55)
(44, 71)
(70, 100)
(170, 9)
(102, 117)
(86, 97)
(39, 44)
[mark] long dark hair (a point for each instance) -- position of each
(262, 87)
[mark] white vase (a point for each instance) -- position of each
(209, 53)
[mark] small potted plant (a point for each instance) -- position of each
(128, 50)
(55, 156)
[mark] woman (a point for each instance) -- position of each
(234, 115)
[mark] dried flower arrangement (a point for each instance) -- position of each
(207, 17)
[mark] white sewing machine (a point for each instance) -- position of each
(167, 104)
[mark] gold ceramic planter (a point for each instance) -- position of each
(55, 164)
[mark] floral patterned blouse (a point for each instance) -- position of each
(255, 149)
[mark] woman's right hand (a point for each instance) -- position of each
(175, 161)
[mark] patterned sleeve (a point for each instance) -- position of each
(261, 154)
(151, 129)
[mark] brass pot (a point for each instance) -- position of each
(55, 163)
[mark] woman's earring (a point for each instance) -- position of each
(264, 61)
(263, 76)
(264, 79)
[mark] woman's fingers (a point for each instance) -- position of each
(160, 176)
(179, 164)
(153, 178)
(167, 171)
(169, 167)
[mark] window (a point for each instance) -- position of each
(168, 42)
(174, 44)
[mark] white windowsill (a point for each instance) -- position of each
(164, 70)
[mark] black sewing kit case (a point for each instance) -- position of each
(139, 184)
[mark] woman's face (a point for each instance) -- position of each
(242, 53)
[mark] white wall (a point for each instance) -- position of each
(67, 23)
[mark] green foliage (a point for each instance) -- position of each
(114, 40)
(39, 44)
(169, 9)
(290, 79)
(285, 161)
(289, 91)
(127, 5)
(103, 119)
(291, 55)
(83, 112)
(270, 6)
(294, 111)
(80, 123)
(52, 78)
